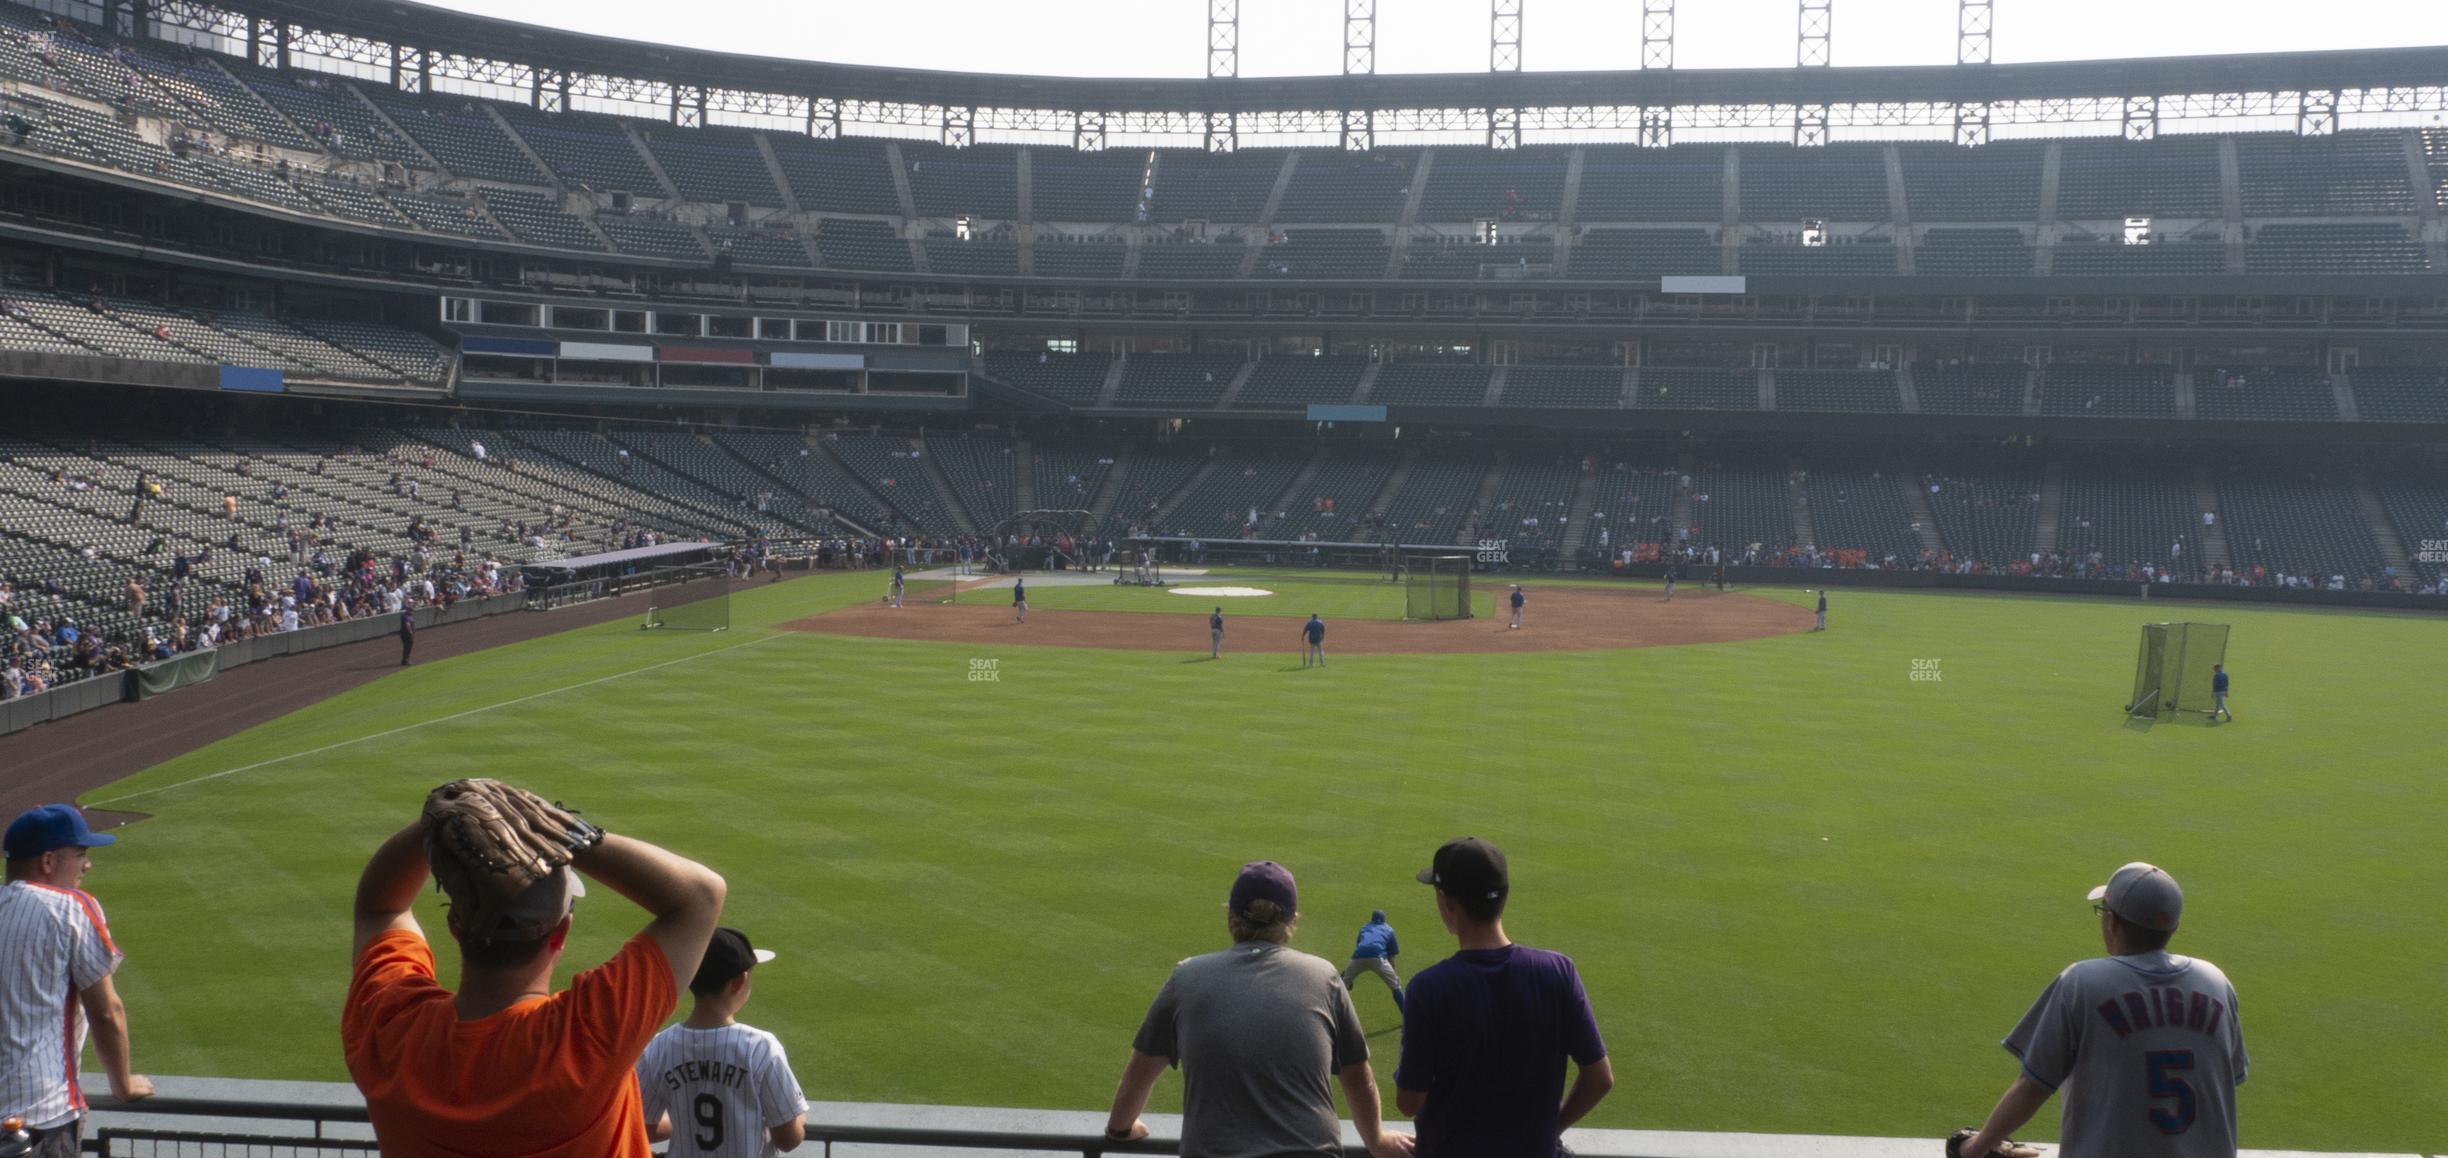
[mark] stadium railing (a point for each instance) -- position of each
(1497, 554)
(147, 680)
(2024, 584)
(226, 1118)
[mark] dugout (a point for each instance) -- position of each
(610, 572)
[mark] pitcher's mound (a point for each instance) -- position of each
(1558, 619)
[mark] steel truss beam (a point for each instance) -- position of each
(1223, 38)
(2316, 113)
(1504, 129)
(1505, 36)
(1359, 130)
(959, 127)
(1088, 132)
(1810, 126)
(1359, 37)
(1224, 132)
(1814, 34)
(2141, 118)
(1657, 33)
(1972, 124)
(1975, 22)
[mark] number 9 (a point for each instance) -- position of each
(708, 1110)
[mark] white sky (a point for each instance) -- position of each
(1305, 37)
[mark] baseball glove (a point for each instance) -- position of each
(488, 841)
(2006, 1148)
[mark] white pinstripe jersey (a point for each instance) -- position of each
(53, 944)
(723, 1087)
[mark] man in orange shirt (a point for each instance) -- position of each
(505, 1066)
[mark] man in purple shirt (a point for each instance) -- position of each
(1486, 1031)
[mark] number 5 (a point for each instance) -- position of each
(709, 1113)
(2164, 1084)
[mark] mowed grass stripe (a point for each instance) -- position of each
(1781, 863)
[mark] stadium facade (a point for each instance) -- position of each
(2180, 314)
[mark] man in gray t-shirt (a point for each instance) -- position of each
(2144, 1044)
(1257, 1030)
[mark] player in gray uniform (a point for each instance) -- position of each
(1215, 634)
(2144, 1043)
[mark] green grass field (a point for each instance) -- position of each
(1808, 893)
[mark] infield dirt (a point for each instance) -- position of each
(1557, 620)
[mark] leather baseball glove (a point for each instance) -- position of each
(488, 841)
(2006, 1148)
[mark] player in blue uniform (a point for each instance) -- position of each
(1518, 600)
(1313, 636)
(898, 579)
(2218, 693)
(1019, 600)
(1215, 634)
(1670, 578)
(1374, 952)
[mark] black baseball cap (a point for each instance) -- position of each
(727, 956)
(1468, 869)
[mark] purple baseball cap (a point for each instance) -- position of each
(55, 826)
(1264, 880)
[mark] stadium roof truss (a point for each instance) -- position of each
(416, 49)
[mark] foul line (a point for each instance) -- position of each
(436, 720)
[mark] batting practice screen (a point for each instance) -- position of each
(2174, 666)
(1437, 587)
(699, 603)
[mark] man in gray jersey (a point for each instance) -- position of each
(2144, 1043)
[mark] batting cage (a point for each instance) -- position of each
(700, 602)
(2173, 668)
(1437, 587)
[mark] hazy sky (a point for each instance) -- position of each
(1302, 37)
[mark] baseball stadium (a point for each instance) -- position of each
(1816, 522)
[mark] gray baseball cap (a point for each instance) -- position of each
(2143, 894)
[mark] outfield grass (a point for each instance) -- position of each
(1808, 893)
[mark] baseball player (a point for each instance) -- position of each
(731, 1084)
(1313, 636)
(1019, 600)
(1215, 634)
(898, 580)
(2218, 693)
(1374, 952)
(2146, 1043)
(407, 633)
(1518, 600)
(1670, 578)
(1822, 622)
(1720, 576)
